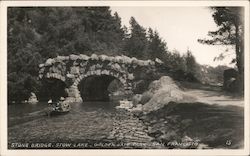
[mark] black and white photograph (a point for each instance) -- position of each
(126, 77)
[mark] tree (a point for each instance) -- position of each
(175, 61)
(157, 47)
(230, 32)
(136, 44)
(38, 33)
(191, 64)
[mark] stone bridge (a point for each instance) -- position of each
(87, 78)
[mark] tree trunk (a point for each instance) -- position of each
(239, 48)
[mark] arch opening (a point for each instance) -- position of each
(99, 88)
(53, 89)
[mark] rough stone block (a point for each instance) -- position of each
(84, 57)
(41, 65)
(74, 70)
(94, 57)
(98, 72)
(63, 78)
(73, 57)
(131, 76)
(49, 62)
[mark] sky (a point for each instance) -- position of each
(180, 27)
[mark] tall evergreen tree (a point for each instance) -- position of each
(191, 65)
(136, 44)
(157, 47)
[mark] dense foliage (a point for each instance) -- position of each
(38, 33)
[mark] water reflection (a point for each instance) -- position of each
(21, 113)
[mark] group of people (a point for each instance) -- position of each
(55, 105)
(58, 106)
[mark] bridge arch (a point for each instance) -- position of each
(73, 69)
(98, 81)
(123, 78)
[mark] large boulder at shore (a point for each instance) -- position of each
(163, 91)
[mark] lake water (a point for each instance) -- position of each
(19, 113)
(88, 122)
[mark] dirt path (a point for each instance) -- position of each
(215, 97)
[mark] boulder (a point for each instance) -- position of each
(163, 91)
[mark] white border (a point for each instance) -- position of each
(3, 78)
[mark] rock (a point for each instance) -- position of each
(105, 72)
(92, 68)
(141, 85)
(151, 63)
(74, 70)
(137, 110)
(146, 96)
(164, 91)
(126, 59)
(103, 57)
(158, 61)
(60, 58)
(118, 59)
(73, 57)
(32, 99)
(125, 104)
(116, 66)
(136, 99)
(230, 76)
(70, 76)
(131, 76)
(94, 57)
(49, 62)
(84, 57)
(41, 65)
(140, 62)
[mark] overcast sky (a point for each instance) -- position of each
(180, 27)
